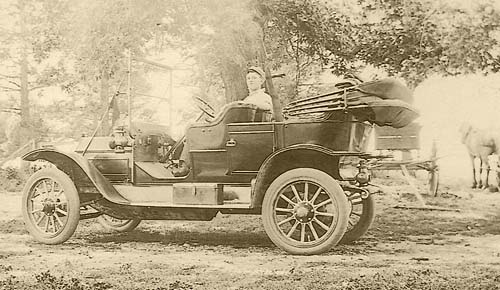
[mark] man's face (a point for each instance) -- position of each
(254, 81)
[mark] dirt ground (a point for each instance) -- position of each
(404, 249)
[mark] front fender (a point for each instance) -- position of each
(80, 170)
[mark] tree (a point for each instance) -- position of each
(414, 39)
(26, 43)
(100, 34)
(410, 38)
(223, 37)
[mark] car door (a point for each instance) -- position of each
(248, 145)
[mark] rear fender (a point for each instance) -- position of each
(83, 173)
(296, 156)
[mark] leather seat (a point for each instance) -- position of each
(263, 116)
(212, 135)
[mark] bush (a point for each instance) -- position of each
(13, 179)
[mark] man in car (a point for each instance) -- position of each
(255, 79)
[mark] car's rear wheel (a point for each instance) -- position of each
(118, 225)
(361, 217)
(305, 211)
(50, 206)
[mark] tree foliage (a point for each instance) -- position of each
(98, 38)
(222, 37)
(414, 39)
(410, 38)
(82, 46)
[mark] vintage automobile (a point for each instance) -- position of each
(294, 173)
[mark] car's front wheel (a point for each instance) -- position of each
(305, 211)
(50, 206)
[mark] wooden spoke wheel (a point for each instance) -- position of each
(118, 225)
(50, 206)
(362, 214)
(305, 211)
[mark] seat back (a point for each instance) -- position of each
(206, 136)
(263, 116)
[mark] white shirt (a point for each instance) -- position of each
(260, 99)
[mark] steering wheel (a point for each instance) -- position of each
(204, 106)
(354, 76)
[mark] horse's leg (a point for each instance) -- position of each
(480, 183)
(474, 182)
(497, 173)
(487, 168)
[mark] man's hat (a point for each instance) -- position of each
(257, 70)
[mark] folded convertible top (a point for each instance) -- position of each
(385, 102)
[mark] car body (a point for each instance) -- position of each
(290, 172)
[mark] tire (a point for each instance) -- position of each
(307, 224)
(117, 225)
(361, 218)
(50, 206)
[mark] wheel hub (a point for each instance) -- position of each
(304, 212)
(49, 207)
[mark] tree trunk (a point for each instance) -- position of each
(25, 131)
(23, 70)
(233, 77)
(25, 103)
(104, 104)
(277, 107)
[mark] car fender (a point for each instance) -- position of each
(79, 169)
(271, 167)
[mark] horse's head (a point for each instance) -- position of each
(465, 130)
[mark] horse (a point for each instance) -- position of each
(480, 144)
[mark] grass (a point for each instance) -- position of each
(467, 277)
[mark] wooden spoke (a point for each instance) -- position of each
(53, 224)
(316, 194)
(47, 225)
(58, 219)
(321, 224)
(322, 203)
(297, 196)
(61, 211)
(292, 230)
(306, 191)
(45, 186)
(286, 220)
(289, 210)
(35, 193)
(324, 213)
(287, 199)
(313, 230)
(58, 193)
(39, 220)
(303, 233)
(360, 201)
(356, 213)
(35, 211)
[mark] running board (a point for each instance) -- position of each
(188, 195)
